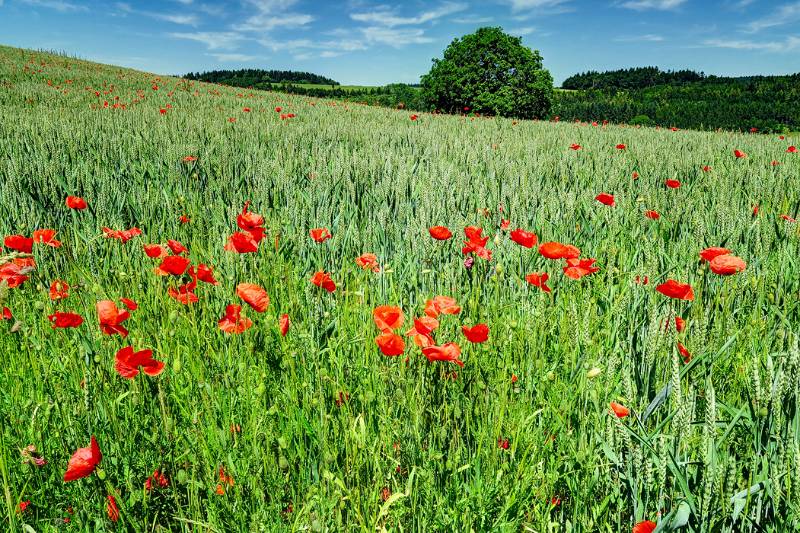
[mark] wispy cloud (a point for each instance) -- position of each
(472, 19)
(214, 40)
(520, 32)
(660, 5)
(787, 45)
(396, 38)
(271, 14)
(175, 18)
(385, 16)
(59, 5)
(647, 38)
(786, 14)
(531, 5)
(233, 58)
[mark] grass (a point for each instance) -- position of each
(318, 429)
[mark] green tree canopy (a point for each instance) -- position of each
(489, 72)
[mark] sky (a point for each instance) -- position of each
(365, 42)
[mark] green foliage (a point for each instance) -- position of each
(254, 77)
(631, 78)
(492, 73)
(315, 425)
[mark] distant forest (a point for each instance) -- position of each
(256, 78)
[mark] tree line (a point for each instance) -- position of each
(258, 77)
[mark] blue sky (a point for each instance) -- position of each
(376, 42)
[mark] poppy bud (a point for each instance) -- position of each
(101, 474)
(498, 268)
(497, 239)
(551, 376)
(38, 305)
(593, 373)
(173, 316)
(176, 365)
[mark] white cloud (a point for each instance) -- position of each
(223, 40)
(396, 38)
(271, 14)
(472, 19)
(661, 5)
(387, 17)
(786, 14)
(187, 20)
(790, 44)
(529, 5)
(520, 32)
(647, 38)
(59, 5)
(233, 58)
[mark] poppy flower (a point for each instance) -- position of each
(539, 279)
(84, 461)
(184, 294)
(175, 265)
(184, 219)
(14, 273)
(504, 224)
(233, 321)
(255, 296)
(121, 235)
(242, 243)
(621, 147)
(652, 215)
(6, 314)
(323, 279)
(677, 290)
(739, 154)
(635, 175)
(646, 526)
(706, 168)
(111, 508)
(390, 344)
(727, 265)
(503, 443)
(111, 318)
(203, 273)
(791, 150)
(441, 305)
(787, 218)
(680, 324)
(606, 199)
(620, 410)
(251, 223)
(162, 111)
(19, 243)
(320, 234)
(556, 250)
(575, 147)
(687, 356)
(524, 238)
(368, 261)
(710, 253)
(421, 332)
(65, 320)
(388, 317)
(176, 247)
(440, 233)
(246, 109)
(127, 363)
(478, 333)
(278, 109)
(190, 159)
(155, 251)
(476, 243)
(414, 117)
(672, 184)
(284, 324)
(76, 202)
(59, 290)
(46, 236)
(577, 268)
(450, 352)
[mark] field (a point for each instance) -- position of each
(252, 430)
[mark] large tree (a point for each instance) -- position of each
(489, 72)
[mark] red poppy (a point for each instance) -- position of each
(46, 236)
(368, 261)
(65, 320)
(84, 461)
(440, 233)
(524, 238)
(190, 159)
(320, 234)
(476, 243)
(504, 224)
(677, 290)
(284, 324)
(246, 109)
(739, 154)
(255, 296)
(556, 250)
(175, 265)
(503, 443)
(390, 344)
(620, 410)
(652, 215)
(787, 218)
(606, 199)
(421, 332)
(621, 146)
(672, 184)
(6, 314)
(162, 111)
(111, 508)
(127, 363)
(76, 202)
(575, 147)
(278, 109)
(111, 318)
(706, 168)
(477, 334)
(121, 235)
(251, 223)
(680, 324)
(184, 219)
(323, 279)
(184, 294)
(15, 272)
(791, 150)
(59, 290)
(727, 265)
(710, 253)
(176, 247)
(155, 251)
(233, 321)
(441, 305)
(242, 243)
(388, 317)
(539, 279)
(450, 352)
(577, 268)
(646, 526)
(203, 273)
(635, 175)
(687, 356)
(19, 243)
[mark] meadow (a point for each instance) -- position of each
(604, 398)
